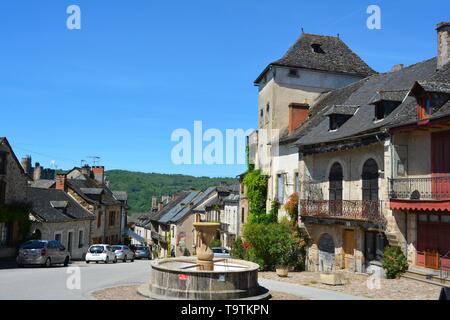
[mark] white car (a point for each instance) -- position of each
(101, 252)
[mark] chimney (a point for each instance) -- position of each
(298, 113)
(443, 30)
(99, 174)
(61, 181)
(86, 170)
(397, 67)
(160, 206)
(26, 164)
(37, 173)
(191, 205)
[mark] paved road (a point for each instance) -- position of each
(49, 284)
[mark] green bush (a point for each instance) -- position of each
(237, 249)
(394, 262)
(216, 243)
(271, 245)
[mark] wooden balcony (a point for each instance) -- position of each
(420, 189)
(360, 210)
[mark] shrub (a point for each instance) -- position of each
(271, 245)
(216, 243)
(237, 249)
(291, 208)
(394, 262)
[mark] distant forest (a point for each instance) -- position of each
(141, 187)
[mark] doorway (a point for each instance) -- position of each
(349, 247)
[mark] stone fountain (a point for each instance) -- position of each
(203, 277)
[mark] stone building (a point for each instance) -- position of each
(13, 190)
(287, 88)
(37, 172)
(56, 215)
(87, 186)
(362, 152)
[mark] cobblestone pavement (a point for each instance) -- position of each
(356, 284)
(130, 293)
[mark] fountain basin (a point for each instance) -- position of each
(179, 279)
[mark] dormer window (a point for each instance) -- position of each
(424, 109)
(339, 114)
(317, 48)
(385, 108)
(293, 73)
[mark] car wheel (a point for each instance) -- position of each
(48, 263)
(132, 259)
(96, 261)
(20, 265)
(115, 260)
(107, 260)
(66, 261)
(87, 261)
(124, 259)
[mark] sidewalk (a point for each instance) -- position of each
(305, 291)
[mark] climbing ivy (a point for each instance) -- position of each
(19, 213)
(256, 184)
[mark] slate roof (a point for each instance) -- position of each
(341, 109)
(398, 96)
(155, 216)
(180, 209)
(336, 56)
(42, 184)
(120, 195)
(89, 189)
(51, 205)
(316, 130)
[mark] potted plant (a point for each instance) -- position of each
(286, 261)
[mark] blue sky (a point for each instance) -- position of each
(137, 70)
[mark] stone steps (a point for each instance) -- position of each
(426, 278)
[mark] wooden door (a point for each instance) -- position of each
(349, 245)
(440, 165)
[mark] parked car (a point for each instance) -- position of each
(100, 252)
(123, 253)
(43, 252)
(221, 252)
(143, 252)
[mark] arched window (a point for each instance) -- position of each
(370, 181)
(335, 189)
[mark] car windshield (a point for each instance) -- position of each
(96, 249)
(115, 248)
(33, 245)
(141, 248)
(217, 250)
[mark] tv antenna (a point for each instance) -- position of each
(95, 160)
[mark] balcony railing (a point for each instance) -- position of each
(430, 188)
(363, 210)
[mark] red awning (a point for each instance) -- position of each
(420, 205)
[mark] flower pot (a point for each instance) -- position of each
(282, 272)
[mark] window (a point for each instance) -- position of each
(296, 183)
(385, 108)
(2, 192)
(80, 238)
(3, 234)
(337, 120)
(112, 218)
(267, 112)
(317, 48)
(3, 163)
(280, 188)
(243, 216)
(293, 73)
(370, 181)
(99, 219)
(424, 109)
(335, 189)
(261, 113)
(58, 237)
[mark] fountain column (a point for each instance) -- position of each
(205, 255)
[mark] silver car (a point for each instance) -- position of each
(43, 252)
(123, 253)
(220, 252)
(143, 252)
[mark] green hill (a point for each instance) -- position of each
(141, 187)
